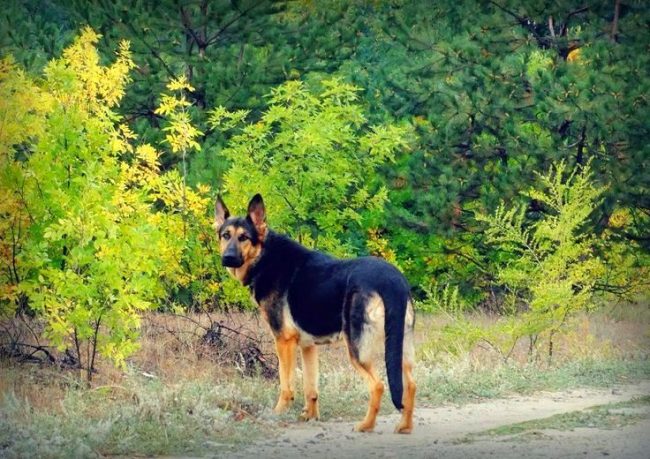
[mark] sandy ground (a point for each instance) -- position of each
(441, 432)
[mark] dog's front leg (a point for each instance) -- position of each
(286, 350)
(310, 382)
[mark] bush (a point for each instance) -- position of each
(551, 266)
(90, 249)
(313, 156)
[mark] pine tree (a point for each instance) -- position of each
(496, 91)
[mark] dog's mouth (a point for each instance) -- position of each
(232, 261)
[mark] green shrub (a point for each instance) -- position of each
(550, 265)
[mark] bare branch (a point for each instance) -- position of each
(187, 24)
(550, 27)
(214, 38)
(36, 348)
(565, 25)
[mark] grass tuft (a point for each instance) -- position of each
(464, 383)
(610, 416)
(140, 417)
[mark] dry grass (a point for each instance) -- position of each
(611, 333)
(180, 393)
(172, 349)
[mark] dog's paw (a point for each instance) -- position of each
(400, 429)
(364, 427)
(405, 425)
(309, 415)
(310, 411)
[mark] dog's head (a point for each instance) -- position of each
(240, 238)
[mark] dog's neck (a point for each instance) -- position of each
(273, 256)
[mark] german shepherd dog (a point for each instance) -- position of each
(309, 298)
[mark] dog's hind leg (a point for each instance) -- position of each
(286, 350)
(364, 335)
(408, 398)
(310, 382)
(376, 389)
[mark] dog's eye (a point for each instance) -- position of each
(242, 237)
(226, 236)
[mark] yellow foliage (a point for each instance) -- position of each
(574, 55)
(23, 107)
(148, 156)
(170, 104)
(620, 218)
(181, 134)
(78, 80)
(378, 246)
(88, 194)
(23, 110)
(180, 83)
(121, 138)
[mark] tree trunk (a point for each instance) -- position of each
(617, 9)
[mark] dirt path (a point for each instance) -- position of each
(439, 432)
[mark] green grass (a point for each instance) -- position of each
(462, 384)
(610, 416)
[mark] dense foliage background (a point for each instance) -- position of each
(392, 128)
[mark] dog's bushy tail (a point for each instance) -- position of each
(395, 310)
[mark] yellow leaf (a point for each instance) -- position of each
(180, 83)
(574, 55)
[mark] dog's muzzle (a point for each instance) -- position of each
(232, 260)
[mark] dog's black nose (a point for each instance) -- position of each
(232, 261)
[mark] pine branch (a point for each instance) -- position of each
(187, 25)
(565, 25)
(526, 23)
(214, 38)
(151, 49)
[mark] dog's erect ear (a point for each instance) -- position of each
(257, 215)
(221, 212)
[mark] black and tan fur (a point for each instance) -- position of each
(309, 298)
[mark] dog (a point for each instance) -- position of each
(310, 298)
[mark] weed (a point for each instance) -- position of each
(139, 417)
(464, 382)
(610, 416)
